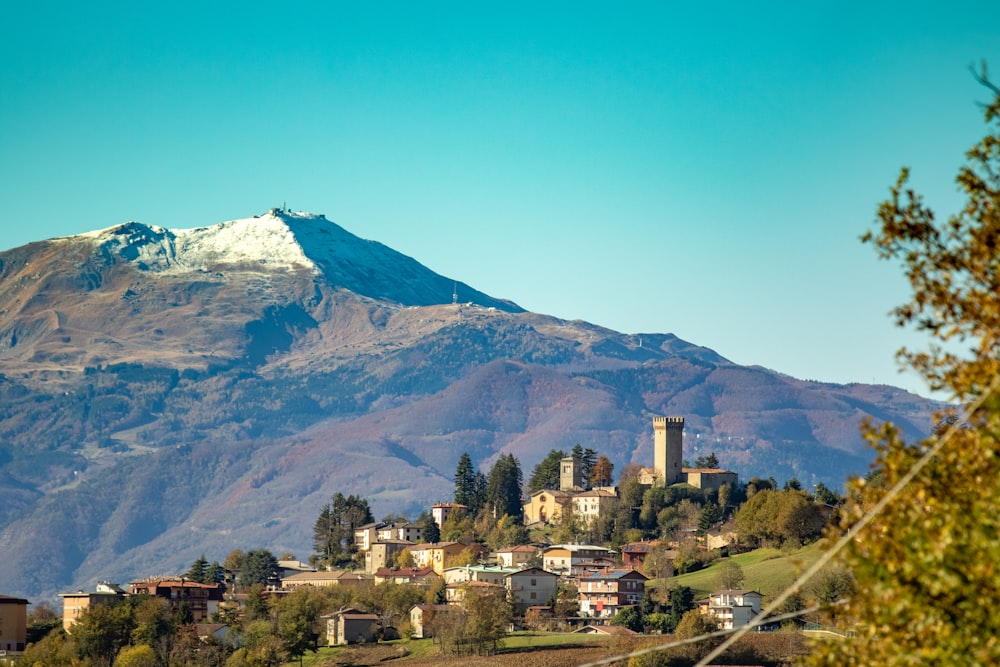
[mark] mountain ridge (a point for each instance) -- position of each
(148, 416)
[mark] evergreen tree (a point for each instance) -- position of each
(586, 459)
(465, 481)
(214, 574)
(198, 571)
(504, 488)
(480, 495)
(333, 532)
(432, 531)
(825, 496)
(259, 567)
(710, 461)
(547, 473)
(710, 515)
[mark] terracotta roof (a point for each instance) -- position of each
(518, 549)
(615, 574)
(596, 493)
(431, 545)
(404, 572)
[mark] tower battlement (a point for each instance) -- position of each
(668, 422)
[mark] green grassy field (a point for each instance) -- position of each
(766, 570)
(425, 648)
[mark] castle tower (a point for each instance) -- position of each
(668, 448)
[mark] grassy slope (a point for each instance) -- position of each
(766, 570)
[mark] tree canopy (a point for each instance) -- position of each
(546, 475)
(926, 562)
(333, 532)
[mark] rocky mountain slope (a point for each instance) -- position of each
(168, 393)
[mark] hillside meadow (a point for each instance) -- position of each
(768, 571)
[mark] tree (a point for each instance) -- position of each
(432, 531)
(603, 472)
(710, 461)
(487, 617)
(465, 481)
(927, 558)
(711, 514)
(504, 490)
(546, 475)
(333, 531)
(259, 567)
(198, 571)
(628, 617)
(42, 620)
(586, 459)
(297, 618)
(730, 576)
(102, 631)
(695, 624)
(234, 560)
(825, 496)
(55, 649)
(137, 656)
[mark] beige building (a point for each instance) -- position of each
(442, 511)
(588, 505)
(383, 554)
(337, 578)
(546, 505)
(74, 604)
(710, 478)
(668, 453)
(436, 555)
(518, 556)
(560, 558)
(13, 624)
(350, 626)
(482, 573)
(530, 588)
(422, 618)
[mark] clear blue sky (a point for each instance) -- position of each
(703, 169)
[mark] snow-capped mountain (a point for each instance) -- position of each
(167, 393)
(285, 241)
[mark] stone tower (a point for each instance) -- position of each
(570, 474)
(668, 448)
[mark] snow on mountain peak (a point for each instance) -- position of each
(282, 240)
(266, 241)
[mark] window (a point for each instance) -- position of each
(534, 582)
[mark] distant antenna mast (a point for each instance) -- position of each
(454, 294)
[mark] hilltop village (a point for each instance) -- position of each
(566, 550)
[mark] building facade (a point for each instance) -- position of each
(74, 604)
(13, 624)
(732, 608)
(604, 595)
